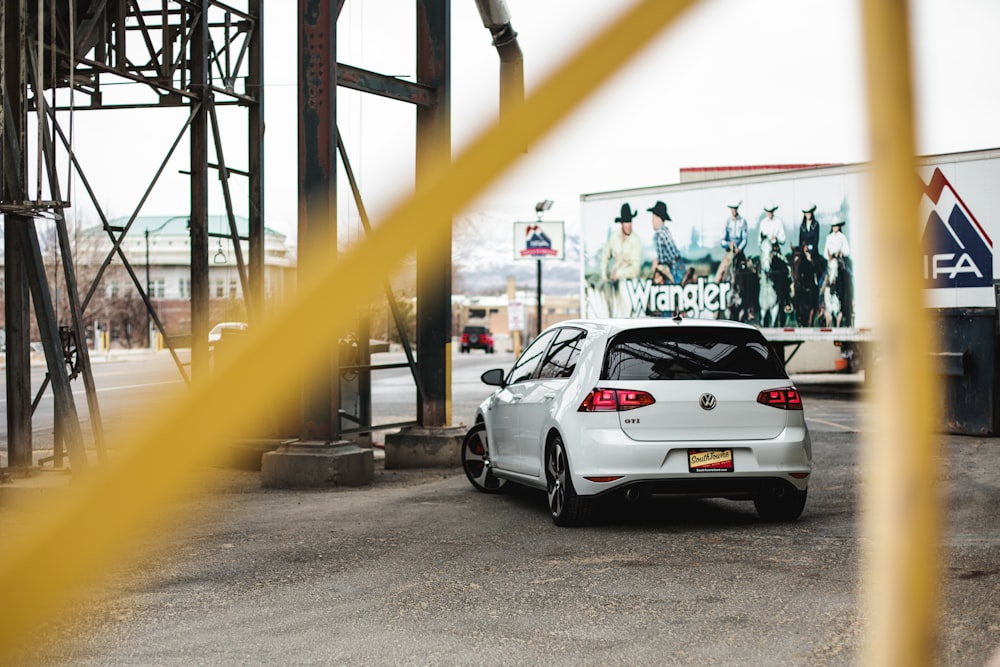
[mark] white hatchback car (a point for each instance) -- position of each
(700, 408)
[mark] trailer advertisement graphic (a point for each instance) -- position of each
(959, 252)
(727, 253)
(784, 250)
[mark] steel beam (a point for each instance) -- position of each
(73, 294)
(433, 146)
(385, 86)
(66, 418)
(317, 173)
(199, 197)
(17, 305)
(255, 154)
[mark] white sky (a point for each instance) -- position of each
(733, 83)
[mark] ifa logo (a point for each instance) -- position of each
(957, 250)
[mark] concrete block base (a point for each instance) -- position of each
(418, 447)
(312, 464)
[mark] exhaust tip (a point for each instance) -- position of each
(634, 495)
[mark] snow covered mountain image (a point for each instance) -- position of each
(483, 259)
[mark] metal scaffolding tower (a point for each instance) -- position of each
(61, 58)
(67, 57)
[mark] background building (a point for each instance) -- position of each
(158, 249)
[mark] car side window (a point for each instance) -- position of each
(560, 362)
(527, 363)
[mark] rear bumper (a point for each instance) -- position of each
(733, 488)
(759, 466)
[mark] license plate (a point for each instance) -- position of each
(710, 460)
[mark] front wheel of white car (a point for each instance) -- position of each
(786, 506)
(565, 506)
(476, 461)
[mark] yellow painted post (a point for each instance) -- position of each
(900, 502)
(447, 390)
(515, 336)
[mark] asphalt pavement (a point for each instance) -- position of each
(419, 569)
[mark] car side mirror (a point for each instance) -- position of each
(493, 377)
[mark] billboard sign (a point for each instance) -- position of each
(776, 252)
(539, 240)
(782, 250)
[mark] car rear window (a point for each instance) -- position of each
(690, 353)
(475, 330)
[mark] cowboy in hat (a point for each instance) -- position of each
(668, 265)
(836, 287)
(627, 214)
(734, 240)
(809, 237)
(836, 246)
(623, 251)
(772, 229)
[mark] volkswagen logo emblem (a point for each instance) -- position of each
(707, 402)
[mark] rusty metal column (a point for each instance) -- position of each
(317, 229)
(66, 418)
(433, 145)
(16, 305)
(199, 197)
(255, 149)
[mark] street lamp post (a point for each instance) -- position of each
(540, 209)
(149, 295)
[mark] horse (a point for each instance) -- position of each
(775, 294)
(845, 292)
(743, 297)
(832, 290)
(805, 288)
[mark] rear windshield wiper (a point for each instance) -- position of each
(725, 374)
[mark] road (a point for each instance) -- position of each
(420, 569)
(128, 384)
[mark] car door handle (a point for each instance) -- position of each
(516, 398)
(549, 397)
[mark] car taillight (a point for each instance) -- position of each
(786, 398)
(615, 400)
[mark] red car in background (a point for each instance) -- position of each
(477, 337)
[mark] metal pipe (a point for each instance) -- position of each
(496, 19)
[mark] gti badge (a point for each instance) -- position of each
(707, 401)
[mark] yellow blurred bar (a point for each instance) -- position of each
(82, 536)
(900, 502)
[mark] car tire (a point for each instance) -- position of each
(476, 461)
(786, 506)
(565, 507)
